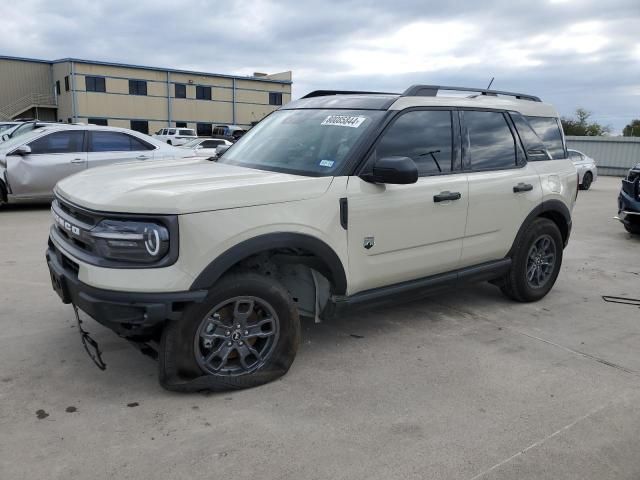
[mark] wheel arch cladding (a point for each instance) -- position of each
(263, 243)
(553, 210)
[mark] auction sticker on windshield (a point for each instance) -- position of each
(344, 121)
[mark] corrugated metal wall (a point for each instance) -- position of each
(613, 155)
(18, 78)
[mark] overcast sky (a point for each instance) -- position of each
(569, 52)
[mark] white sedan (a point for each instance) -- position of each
(586, 166)
(206, 147)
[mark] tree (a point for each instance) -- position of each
(632, 130)
(581, 126)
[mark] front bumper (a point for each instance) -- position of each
(628, 209)
(129, 314)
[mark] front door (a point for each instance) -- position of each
(405, 232)
(53, 157)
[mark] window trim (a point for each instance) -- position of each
(281, 99)
(137, 83)
(366, 163)
(520, 160)
(95, 77)
(175, 90)
(209, 87)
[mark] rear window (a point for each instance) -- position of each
(548, 129)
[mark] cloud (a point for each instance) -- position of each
(570, 53)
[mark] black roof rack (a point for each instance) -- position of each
(326, 93)
(432, 91)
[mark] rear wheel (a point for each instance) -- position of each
(535, 263)
(169, 142)
(587, 179)
(246, 333)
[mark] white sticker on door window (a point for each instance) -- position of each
(326, 163)
(344, 121)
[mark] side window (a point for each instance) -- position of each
(425, 136)
(114, 142)
(535, 148)
(210, 144)
(188, 133)
(549, 132)
(171, 131)
(488, 141)
(58, 142)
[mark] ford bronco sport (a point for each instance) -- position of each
(336, 200)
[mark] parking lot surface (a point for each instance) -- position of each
(465, 385)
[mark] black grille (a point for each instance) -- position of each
(74, 212)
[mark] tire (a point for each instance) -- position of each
(631, 228)
(587, 179)
(3, 194)
(184, 348)
(169, 142)
(517, 283)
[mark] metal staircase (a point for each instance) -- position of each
(22, 104)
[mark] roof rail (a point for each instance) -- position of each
(326, 93)
(432, 91)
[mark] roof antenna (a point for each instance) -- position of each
(491, 82)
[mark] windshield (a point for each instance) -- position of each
(303, 142)
(18, 140)
(6, 126)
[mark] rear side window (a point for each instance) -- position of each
(210, 144)
(58, 142)
(115, 142)
(549, 132)
(422, 135)
(171, 131)
(488, 141)
(186, 132)
(535, 148)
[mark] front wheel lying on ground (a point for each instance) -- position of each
(246, 333)
(535, 262)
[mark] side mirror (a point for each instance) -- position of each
(5, 137)
(221, 149)
(393, 170)
(22, 150)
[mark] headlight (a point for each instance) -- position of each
(131, 241)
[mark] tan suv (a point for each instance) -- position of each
(336, 200)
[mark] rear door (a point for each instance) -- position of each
(53, 157)
(107, 147)
(503, 187)
(405, 232)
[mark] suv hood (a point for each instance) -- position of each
(184, 186)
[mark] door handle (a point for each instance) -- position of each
(446, 195)
(78, 160)
(142, 157)
(522, 187)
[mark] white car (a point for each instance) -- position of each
(586, 166)
(32, 163)
(206, 147)
(335, 201)
(175, 136)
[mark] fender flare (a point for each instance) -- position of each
(553, 209)
(261, 243)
